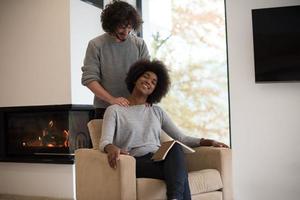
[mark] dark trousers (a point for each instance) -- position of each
(172, 170)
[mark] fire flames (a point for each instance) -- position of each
(50, 137)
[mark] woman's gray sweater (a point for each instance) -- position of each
(137, 129)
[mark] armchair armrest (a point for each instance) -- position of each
(95, 179)
(214, 158)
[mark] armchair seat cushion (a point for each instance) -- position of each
(202, 181)
(206, 180)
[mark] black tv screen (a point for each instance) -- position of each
(276, 40)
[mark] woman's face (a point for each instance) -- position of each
(146, 83)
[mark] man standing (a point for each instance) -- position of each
(109, 56)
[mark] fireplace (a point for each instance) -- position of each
(44, 134)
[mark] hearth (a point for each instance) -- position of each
(43, 134)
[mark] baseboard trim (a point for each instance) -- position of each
(21, 197)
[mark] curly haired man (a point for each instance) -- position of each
(109, 56)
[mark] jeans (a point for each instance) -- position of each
(172, 170)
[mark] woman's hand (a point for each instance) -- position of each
(121, 101)
(208, 142)
(113, 154)
(219, 144)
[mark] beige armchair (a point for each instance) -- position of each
(209, 174)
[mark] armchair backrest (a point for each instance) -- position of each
(95, 128)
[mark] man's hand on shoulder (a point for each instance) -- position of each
(121, 101)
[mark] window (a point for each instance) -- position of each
(190, 37)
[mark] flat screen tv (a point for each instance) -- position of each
(276, 40)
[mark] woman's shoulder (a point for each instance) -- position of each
(120, 109)
(157, 109)
(112, 111)
(112, 108)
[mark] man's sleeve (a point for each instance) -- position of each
(144, 53)
(91, 68)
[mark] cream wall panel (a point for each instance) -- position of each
(35, 52)
(36, 69)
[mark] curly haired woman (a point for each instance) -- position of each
(135, 130)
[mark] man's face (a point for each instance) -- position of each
(122, 32)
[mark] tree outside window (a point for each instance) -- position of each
(189, 36)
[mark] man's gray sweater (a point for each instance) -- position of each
(108, 62)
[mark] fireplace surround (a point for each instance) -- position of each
(44, 134)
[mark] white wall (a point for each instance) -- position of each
(85, 25)
(37, 37)
(47, 180)
(264, 117)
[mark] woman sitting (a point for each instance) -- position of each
(135, 130)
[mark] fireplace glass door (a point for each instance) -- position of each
(46, 133)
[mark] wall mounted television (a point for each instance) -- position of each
(276, 40)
